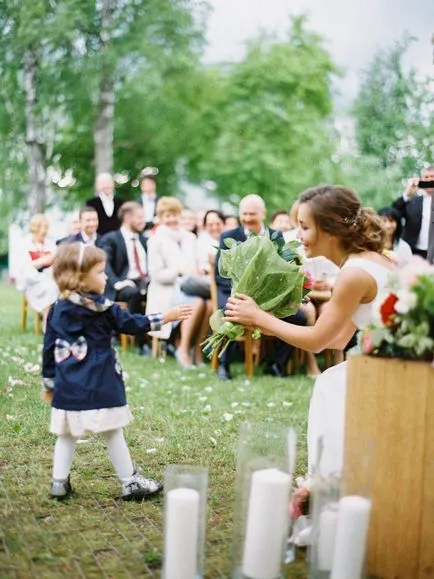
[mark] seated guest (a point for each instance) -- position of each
(231, 222)
(73, 228)
(252, 217)
(126, 266)
(106, 203)
(200, 216)
(148, 197)
(208, 240)
(281, 221)
(401, 251)
(34, 275)
(88, 219)
(188, 220)
(172, 258)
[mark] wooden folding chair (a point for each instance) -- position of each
(24, 312)
(251, 353)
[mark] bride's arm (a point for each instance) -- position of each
(351, 288)
(344, 336)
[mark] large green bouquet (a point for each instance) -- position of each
(266, 269)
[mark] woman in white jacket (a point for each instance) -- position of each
(172, 256)
(34, 275)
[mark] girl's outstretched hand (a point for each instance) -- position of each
(177, 313)
(243, 310)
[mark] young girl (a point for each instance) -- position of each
(81, 371)
(332, 223)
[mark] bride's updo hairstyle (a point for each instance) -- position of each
(339, 212)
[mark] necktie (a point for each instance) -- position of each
(137, 258)
(430, 255)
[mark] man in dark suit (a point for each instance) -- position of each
(148, 198)
(415, 207)
(126, 265)
(252, 215)
(106, 204)
(88, 219)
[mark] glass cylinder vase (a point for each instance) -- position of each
(184, 521)
(265, 463)
(341, 507)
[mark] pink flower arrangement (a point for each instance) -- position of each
(406, 325)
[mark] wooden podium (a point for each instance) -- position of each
(392, 401)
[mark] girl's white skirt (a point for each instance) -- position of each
(82, 422)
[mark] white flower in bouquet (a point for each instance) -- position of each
(407, 301)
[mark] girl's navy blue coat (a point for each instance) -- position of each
(79, 361)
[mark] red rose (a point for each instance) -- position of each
(387, 309)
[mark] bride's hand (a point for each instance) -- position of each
(242, 310)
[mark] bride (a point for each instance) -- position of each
(332, 223)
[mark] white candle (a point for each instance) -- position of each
(181, 534)
(267, 524)
(328, 522)
(351, 537)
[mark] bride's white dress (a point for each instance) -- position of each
(327, 405)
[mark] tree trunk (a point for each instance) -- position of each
(34, 140)
(104, 123)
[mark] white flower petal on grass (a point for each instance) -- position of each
(240, 411)
(159, 440)
(241, 389)
(127, 389)
(151, 451)
(125, 375)
(271, 404)
(207, 408)
(247, 404)
(287, 404)
(234, 404)
(201, 375)
(213, 441)
(208, 389)
(246, 382)
(186, 388)
(203, 398)
(227, 417)
(10, 417)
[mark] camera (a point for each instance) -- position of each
(426, 184)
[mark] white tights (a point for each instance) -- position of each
(116, 447)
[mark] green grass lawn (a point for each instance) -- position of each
(178, 419)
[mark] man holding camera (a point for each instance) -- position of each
(416, 207)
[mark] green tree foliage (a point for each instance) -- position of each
(267, 121)
(394, 114)
(141, 45)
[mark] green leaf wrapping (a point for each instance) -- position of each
(256, 269)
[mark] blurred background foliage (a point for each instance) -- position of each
(267, 124)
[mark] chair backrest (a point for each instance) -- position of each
(212, 284)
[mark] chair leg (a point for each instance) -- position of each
(248, 354)
(37, 324)
(24, 314)
(155, 345)
(124, 342)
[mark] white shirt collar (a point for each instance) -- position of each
(247, 232)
